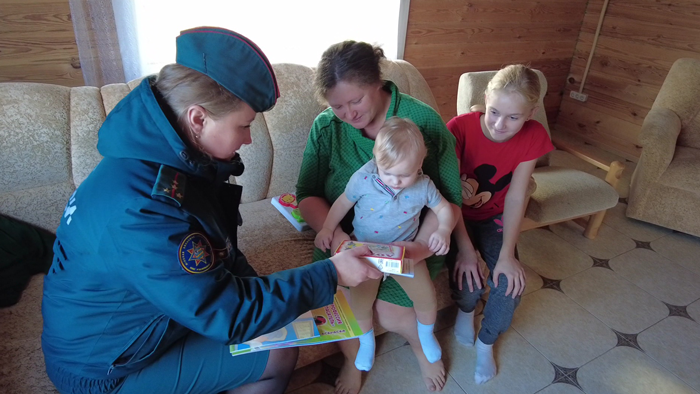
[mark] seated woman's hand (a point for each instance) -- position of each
(352, 268)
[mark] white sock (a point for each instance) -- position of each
(464, 328)
(365, 355)
(485, 364)
(430, 345)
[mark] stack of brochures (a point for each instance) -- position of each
(334, 322)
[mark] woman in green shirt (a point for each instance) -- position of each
(348, 78)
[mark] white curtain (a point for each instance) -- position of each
(98, 47)
(120, 40)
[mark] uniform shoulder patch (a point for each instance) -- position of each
(196, 254)
(170, 184)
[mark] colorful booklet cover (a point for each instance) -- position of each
(387, 258)
(334, 322)
(302, 327)
(287, 205)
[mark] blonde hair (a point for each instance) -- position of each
(183, 87)
(516, 78)
(397, 140)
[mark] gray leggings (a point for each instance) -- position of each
(487, 237)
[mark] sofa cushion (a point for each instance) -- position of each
(684, 171)
(690, 134)
(566, 193)
(41, 206)
(34, 135)
(270, 242)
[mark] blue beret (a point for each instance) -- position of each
(233, 61)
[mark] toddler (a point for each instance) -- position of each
(388, 194)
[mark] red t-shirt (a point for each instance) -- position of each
(487, 167)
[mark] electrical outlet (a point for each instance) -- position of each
(578, 96)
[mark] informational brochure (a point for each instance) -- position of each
(334, 322)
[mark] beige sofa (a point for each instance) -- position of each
(48, 137)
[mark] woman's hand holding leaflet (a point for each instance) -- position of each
(352, 268)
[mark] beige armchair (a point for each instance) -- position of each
(558, 194)
(665, 187)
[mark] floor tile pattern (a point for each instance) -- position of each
(629, 340)
(678, 310)
(551, 283)
(602, 263)
(565, 375)
(643, 245)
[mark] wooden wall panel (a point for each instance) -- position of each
(446, 38)
(37, 43)
(638, 43)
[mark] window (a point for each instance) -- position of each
(287, 31)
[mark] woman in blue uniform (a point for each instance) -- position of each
(147, 285)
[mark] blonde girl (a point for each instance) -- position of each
(497, 146)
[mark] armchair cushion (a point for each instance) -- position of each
(679, 173)
(567, 193)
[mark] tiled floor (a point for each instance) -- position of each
(618, 314)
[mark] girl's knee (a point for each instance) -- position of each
(502, 288)
(465, 298)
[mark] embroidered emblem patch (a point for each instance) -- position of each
(196, 254)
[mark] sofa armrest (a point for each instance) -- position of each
(658, 138)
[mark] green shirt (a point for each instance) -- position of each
(335, 150)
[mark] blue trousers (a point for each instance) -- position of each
(487, 238)
(192, 365)
(196, 364)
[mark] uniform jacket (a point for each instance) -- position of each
(146, 253)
